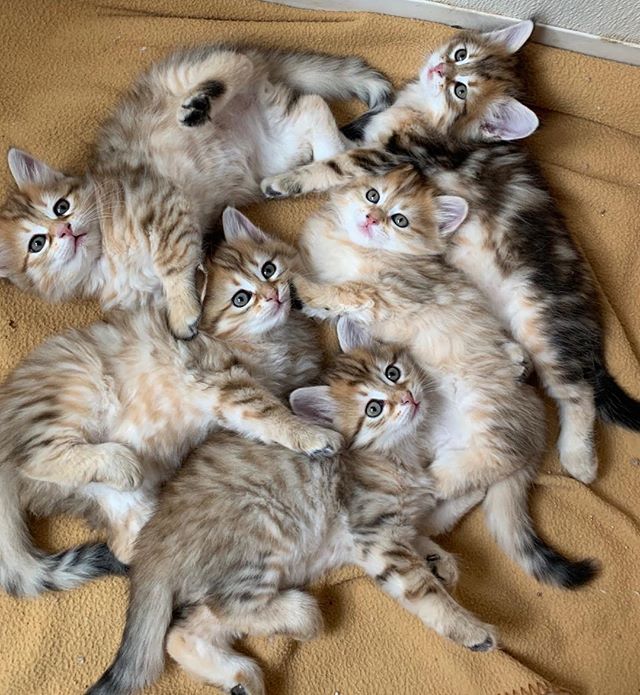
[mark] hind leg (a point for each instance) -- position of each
(207, 85)
(576, 445)
(202, 647)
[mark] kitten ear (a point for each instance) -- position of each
(508, 119)
(512, 38)
(314, 403)
(451, 212)
(29, 171)
(237, 227)
(352, 335)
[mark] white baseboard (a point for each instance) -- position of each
(472, 19)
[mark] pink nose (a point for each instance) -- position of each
(371, 219)
(440, 68)
(272, 295)
(64, 230)
(408, 398)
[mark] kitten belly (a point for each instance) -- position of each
(510, 295)
(330, 261)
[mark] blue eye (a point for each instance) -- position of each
(400, 220)
(372, 195)
(460, 90)
(268, 269)
(392, 373)
(37, 243)
(460, 54)
(61, 207)
(374, 408)
(241, 298)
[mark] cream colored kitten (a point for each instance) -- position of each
(374, 249)
(94, 419)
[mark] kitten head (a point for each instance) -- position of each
(248, 291)
(376, 396)
(471, 85)
(49, 229)
(397, 212)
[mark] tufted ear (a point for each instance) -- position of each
(314, 403)
(512, 38)
(238, 227)
(29, 171)
(451, 212)
(352, 335)
(508, 119)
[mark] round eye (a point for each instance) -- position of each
(372, 195)
(400, 220)
(460, 54)
(460, 90)
(268, 269)
(374, 408)
(36, 243)
(392, 373)
(241, 298)
(61, 207)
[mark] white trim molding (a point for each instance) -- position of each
(464, 18)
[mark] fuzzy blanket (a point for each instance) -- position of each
(63, 65)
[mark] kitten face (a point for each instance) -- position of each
(248, 291)
(471, 84)
(397, 213)
(49, 230)
(379, 396)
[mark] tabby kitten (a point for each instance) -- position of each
(243, 523)
(94, 413)
(374, 248)
(197, 131)
(514, 244)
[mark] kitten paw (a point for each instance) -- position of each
(195, 111)
(580, 464)
(319, 442)
(184, 318)
(475, 635)
(280, 186)
(124, 471)
(444, 567)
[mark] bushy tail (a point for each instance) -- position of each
(332, 77)
(614, 404)
(140, 659)
(27, 571)
(507, 513)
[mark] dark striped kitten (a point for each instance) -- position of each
(454, 123)
(243, 525)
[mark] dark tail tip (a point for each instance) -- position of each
(354, 130)
(614, 404)
(552, 568)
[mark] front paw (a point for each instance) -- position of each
(183, 317)
(125, 472)
(281, 186)
(319, 442)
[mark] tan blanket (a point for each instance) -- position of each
(63, 65)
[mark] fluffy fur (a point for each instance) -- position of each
(92, 414)
(195, 132)
(372, 247)
(242, 523)
(455, 123)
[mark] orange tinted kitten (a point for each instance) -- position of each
(92, 414)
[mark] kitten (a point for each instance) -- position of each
(196, 132)
(92, 414)
(514, 244)
(374, 247)
(241, 524)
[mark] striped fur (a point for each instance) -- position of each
(197, 131)
(242, 523)
(377, 252)
(514, 246)
(94, 419)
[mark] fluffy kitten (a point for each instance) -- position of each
(196, 132)
(241, 524)
(372, 246)
(514, 245)
(91, 414)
